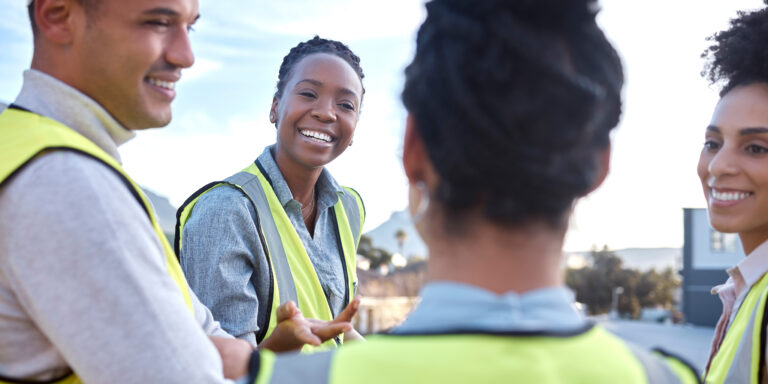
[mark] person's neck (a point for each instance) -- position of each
(751, 240)
(496, 258)
(49, 96)
(301, 180)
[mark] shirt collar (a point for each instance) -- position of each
(327, 188)
(754, 266)
(47, 96)
(450, 306)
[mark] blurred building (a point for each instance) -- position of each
(707, 253)
(385, 236)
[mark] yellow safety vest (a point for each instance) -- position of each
(740, 358)
(25, 136)
(592, 355)
(293, 277)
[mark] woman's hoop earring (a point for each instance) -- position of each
(273, 118)
(423, 201)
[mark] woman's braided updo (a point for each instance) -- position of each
(514, 101)
(315, 45)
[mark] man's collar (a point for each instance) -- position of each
(50, 97)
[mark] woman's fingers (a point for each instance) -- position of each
(306, 336)
(331, 330)
(314, 331)
(287, 311)
(349, 312)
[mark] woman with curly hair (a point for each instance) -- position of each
(510, 108)
(733, 168)
(283, 230)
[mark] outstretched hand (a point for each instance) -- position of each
(293, 330)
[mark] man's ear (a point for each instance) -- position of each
(58, 20)
(603, 166)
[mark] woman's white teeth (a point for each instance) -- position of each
(162, 84)
(730, 196)
(316, 135)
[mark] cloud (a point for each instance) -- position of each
(347, 20)
(174, 163)
(202, 68)
(15, 20)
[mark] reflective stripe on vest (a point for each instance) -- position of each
(740, 358)
(593, 356)
(25, 135)
(285, 253)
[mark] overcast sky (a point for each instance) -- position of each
(221, 112)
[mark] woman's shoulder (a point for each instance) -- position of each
(223, 200)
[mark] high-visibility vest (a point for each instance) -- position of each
(25, 136)
(591, 355)
(293, 277)
(741, 356)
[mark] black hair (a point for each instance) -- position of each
(315, 45)
(515, 101)
(32, 23)
(739, 55)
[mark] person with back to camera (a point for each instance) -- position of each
(510, 108)
(733, 168)
(283, 229)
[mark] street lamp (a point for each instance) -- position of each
(615, 301)
(401, 236)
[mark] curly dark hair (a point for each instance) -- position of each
(739, 54)
(515, 101)
(315, 45)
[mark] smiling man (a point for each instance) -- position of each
(90, 290)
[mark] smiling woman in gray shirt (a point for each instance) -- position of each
(283, 229)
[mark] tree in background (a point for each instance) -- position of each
(376, 256)
(594, 285)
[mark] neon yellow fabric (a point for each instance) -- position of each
(347, 244)
(489, 359)
(25, 135)
(686, 375)
(312, 301)
(753, 305)
(595, 357)
(266, 366)
(186, 210)
(310, 295)
(71, 379)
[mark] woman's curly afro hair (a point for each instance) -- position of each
(739, 54)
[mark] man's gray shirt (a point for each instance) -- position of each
(83, 281)
(224, 260)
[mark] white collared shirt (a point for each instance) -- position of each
(742, 277)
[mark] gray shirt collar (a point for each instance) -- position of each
(327, 188)
(449, 306)
(45, 95)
